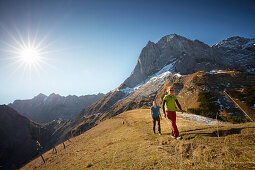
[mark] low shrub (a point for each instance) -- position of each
(248, 95)
(234, 119)
(191, 89)
(202, 112)
(208, 106)
(199, 84)
(249, 92)
(235, 94)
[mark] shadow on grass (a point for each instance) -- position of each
(219, 133)
(199, 129)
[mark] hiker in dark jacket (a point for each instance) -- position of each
(156, 116)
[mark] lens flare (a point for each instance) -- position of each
(30, 55)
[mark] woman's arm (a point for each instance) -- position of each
(178, 104)
(159, 113)
(163, 107)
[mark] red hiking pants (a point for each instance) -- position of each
(172, 116)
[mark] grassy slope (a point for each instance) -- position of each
(114, 145)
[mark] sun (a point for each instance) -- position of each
(30, 55)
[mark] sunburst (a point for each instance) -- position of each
(29, 54)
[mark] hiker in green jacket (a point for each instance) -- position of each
(169, 110)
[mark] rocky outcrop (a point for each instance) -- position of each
(189, 56)
(45, 109)
(237, 53)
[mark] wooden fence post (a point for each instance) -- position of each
(42, 157)
(39, 148)
(218, 134)
(54, 149)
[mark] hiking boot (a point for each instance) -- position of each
(179, 138)
(172, 137)
(159, 133)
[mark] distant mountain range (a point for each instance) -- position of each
(43, 109)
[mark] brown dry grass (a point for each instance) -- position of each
(126, 142)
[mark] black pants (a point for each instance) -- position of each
(154, 124)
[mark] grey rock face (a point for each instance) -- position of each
(44, 108)
(146, 64)
(189, 56)
(237, 52)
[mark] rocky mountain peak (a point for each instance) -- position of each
(235, 42)
(171, 39)
(187, 56)
(40, 97)
(54, 96)
(150, 43)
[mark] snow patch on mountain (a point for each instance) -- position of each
(160, 77)
(168, 67)
(216, 72)
(178, 75)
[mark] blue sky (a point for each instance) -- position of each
(94, 45)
